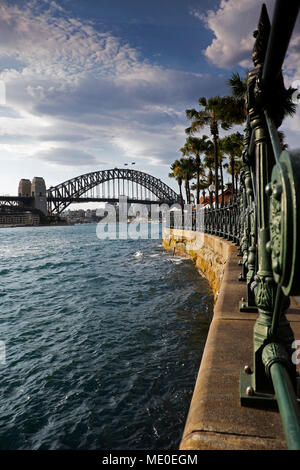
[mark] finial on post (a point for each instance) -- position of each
(261, 35)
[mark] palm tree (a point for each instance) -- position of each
(216, 112)
(279, 107)
(237, 169)
(177, 173)
(221, 160)
(209, 182)
(188, 171)
(205, 182)
(232, 145)
(238, 87)
(209, 166)
(183, 170)
(196, 146)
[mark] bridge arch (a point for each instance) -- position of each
(61, 196)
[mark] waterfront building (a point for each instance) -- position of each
(19, 219)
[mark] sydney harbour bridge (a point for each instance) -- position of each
(97, 186)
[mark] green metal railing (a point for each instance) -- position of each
(270, 192)
(265, 222)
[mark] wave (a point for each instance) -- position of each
(177, 260)
(96, 337)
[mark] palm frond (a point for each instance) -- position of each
(191, 114)
(238, 85)
(202, 101)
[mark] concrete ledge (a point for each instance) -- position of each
(216, 419)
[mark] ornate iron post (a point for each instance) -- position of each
(249, 240)
(269, 296)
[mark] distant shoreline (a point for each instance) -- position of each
(40, 225)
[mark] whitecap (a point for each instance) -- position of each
(177, 260)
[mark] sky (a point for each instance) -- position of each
(88, 85)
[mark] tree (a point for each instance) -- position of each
(188, 169)
(177, 173)
(221, 160)
(209, 181)
(209, 166)
(214, 112)
(196, 146)
(238, 86)
(183, 170)
(237, 170)
(232, 145)
(279, 107)
(205, 182)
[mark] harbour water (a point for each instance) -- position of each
(102, 338)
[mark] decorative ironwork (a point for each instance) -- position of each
(223, 221)
(265, 222)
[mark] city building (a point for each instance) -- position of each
(19, 219)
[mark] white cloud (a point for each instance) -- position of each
(233, 24)
(144, 145)
(66, 78)
(57, 46)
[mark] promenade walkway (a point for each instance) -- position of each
(216, 419)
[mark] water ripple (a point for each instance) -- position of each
(103, 340)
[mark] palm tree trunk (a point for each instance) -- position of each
(222, 183)
(197, 161)
(211, 198)
(187, 191)
(232, 174)
(216, 173)
(209, 182)
(215, 134)
(180, 193)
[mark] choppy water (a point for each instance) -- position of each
(103, 340)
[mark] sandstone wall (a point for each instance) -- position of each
(208, 252)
